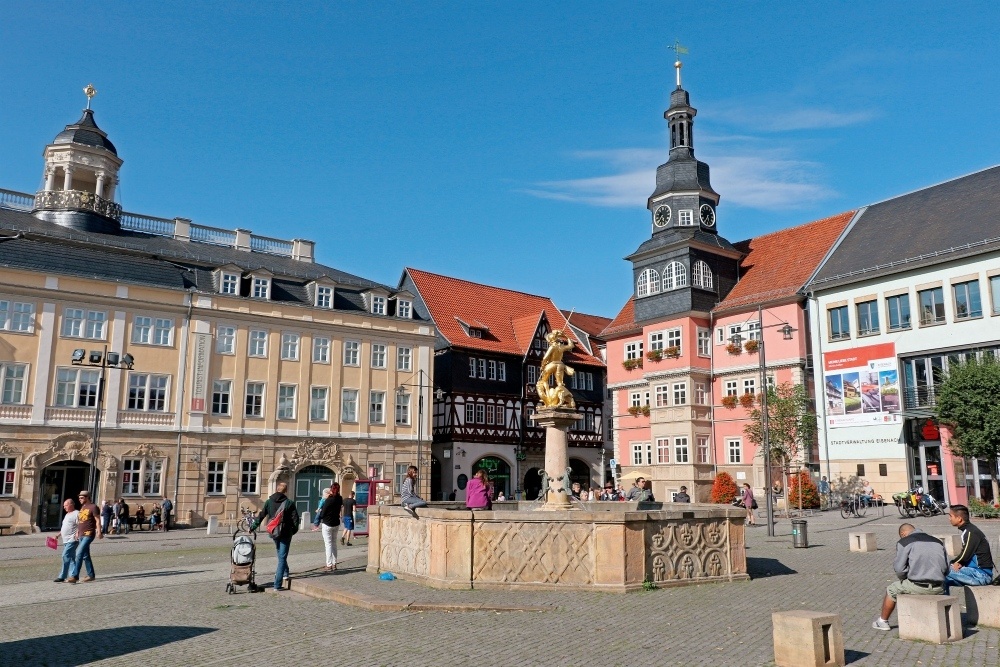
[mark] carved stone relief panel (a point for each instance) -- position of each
(406, 545)
(544, 553)
(690, 550)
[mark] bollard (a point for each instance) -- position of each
(213, 525)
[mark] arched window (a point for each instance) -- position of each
(701, 275)
(648, 283)
(674, 276)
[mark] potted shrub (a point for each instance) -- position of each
(747, 399)
(751, 346)
(644, 410)
(729, 401)
(733, 348)
(634, 410)
(654, 355)
(724, 489)
(673, 352)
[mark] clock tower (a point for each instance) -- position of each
(685, 266)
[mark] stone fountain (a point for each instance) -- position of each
(553, 544)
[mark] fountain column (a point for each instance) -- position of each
(556, 421)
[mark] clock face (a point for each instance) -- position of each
(661, 216)
(707, 215)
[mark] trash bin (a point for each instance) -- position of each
(800, 538)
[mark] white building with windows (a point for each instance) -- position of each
(911, 287)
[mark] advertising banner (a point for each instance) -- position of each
(862, 386)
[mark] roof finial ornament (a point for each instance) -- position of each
(89, 91)
(678, 50)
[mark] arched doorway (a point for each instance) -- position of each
(532, 484)
(309, 485)
(498, 471)
(58, 482)
(580, 472)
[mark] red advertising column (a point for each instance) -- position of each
(953, 469)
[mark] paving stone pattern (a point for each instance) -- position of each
(180, 615)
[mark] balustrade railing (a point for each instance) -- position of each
(48, 200)
(920, 397)
(136, 418)
(69, 415)
(147, 224)
(19, 201)
(271, 245)
(15, 411)
(213, 235)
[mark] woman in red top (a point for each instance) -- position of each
(477, 493)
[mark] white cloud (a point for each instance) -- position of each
(748, 176)
(786, 118)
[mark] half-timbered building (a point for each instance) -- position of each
(490, 342)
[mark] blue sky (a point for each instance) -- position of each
(508, 143)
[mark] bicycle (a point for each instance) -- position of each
(246, 523)
(856, 506)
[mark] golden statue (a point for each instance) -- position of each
(552, 365)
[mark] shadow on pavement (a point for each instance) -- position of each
(758, 568)
(853, 656)
(145, 575)
(81, 648)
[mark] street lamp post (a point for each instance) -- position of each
(421, 373)
(786, 331)
(104, 360)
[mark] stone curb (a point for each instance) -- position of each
(371, 603)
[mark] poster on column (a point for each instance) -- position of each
(862, 386)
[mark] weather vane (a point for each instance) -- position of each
(89, 91)
(678, 50)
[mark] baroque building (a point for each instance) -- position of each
(211, 362)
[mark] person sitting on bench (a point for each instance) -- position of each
(921, 565)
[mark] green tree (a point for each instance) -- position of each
(791, 427)
(968, 403)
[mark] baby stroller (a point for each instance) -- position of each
(244, 556)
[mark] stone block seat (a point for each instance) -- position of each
(982, 605)
(805, 638)
(952, 543)
(931, 618)
(862, 541)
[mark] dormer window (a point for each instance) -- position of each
(404, 309)
(324, 297)
(230, 284)
(475, 333)
(378, 305)
(261, 288)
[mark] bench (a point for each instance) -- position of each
(931, 618)
(805, 638)
(982, 605)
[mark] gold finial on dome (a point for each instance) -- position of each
(89, 91)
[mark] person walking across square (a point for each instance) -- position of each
(348, 519)
(974, 564)
(280, 505)
(88, 528)
(330, 519)
(921, 564)
(70, 541)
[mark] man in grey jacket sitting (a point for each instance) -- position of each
(921, 565)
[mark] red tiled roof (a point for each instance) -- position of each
(592, 324)
(777, 265)
(624, 320)
(510, 318)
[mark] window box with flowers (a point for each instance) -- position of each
(751, 346)
(636, 410)
(747, 399)
(673, 352)
(632, 364)
(734, 349)
(730, 401)
(655, 355)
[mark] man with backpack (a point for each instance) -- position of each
(167, 508)
(282, 522)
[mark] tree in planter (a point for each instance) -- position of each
(810, 495)
(967, 404)
(791, 426)
(724, 488)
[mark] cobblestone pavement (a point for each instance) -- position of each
(179, 614)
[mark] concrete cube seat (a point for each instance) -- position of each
(952, 543)
(931, 618)
(982, 605)
(805, 638)
(862, 541)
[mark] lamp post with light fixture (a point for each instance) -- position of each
(104, 360)
(736, 339)
(400, 390)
